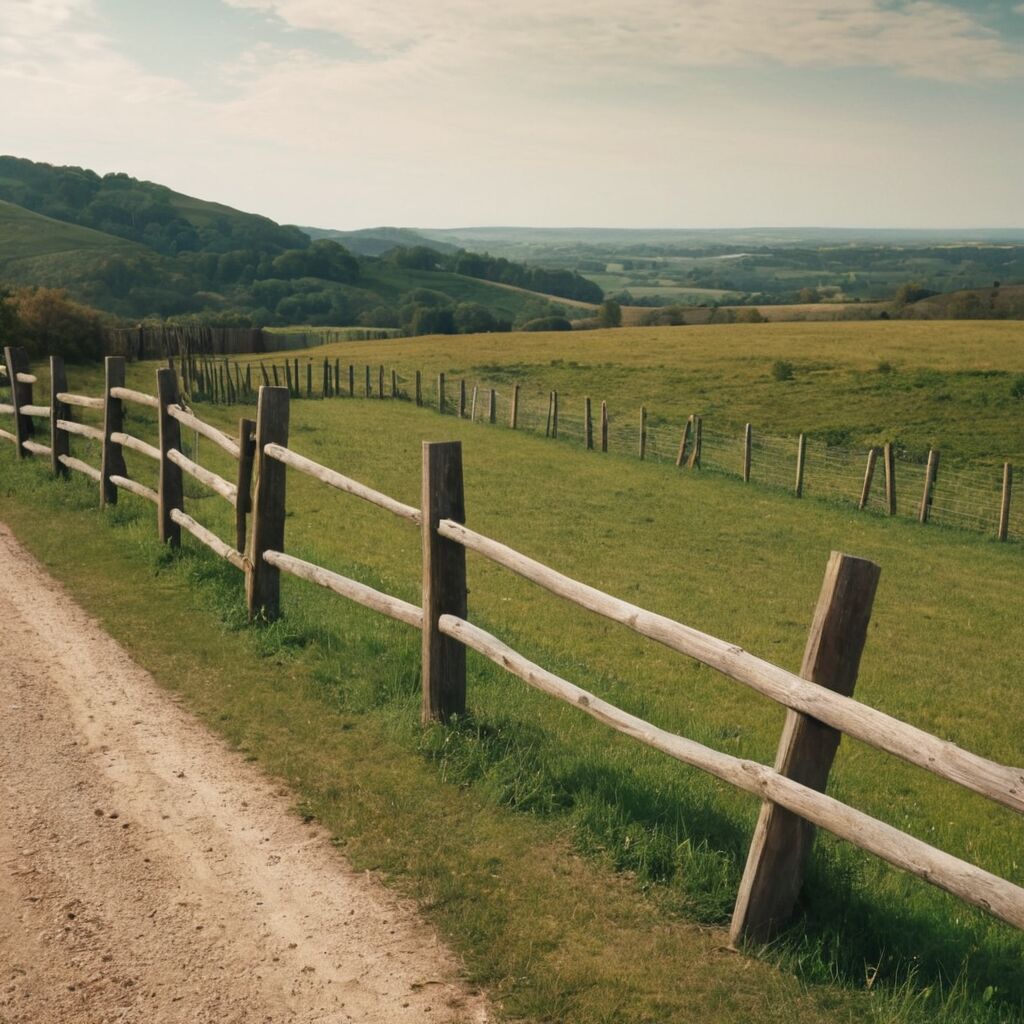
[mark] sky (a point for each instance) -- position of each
(452, 113)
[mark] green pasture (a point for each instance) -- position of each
(582, 877)
(943, 384)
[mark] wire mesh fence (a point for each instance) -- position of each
(970, 498)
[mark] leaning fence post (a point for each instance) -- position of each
(698, 441)
(17, 362)
(112, 461)
(243, 501)
(869, 475)
(1004, 502)
(513, 418)
(801, 462)
(554, 414)
(444, 582)
(60, 441)
(929, 485)
(782, 840)
(170, 489)
(263, 581)
(890, 478)
(747, 444)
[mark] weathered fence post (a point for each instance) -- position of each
(1004, 502)
(351, 381)
(170, 486)
(394, 383)
(263, 581)
(243, 503)
(16, 360)
(551, 402)
(472, 404)
(309, 379)
(325, 391)
(869, 475)
(698, 439)
(462, 399)
(492, 406)
(643, 431)
(782, 841)
(588, 424)
(60, 440)
(604, 425)
(554, 414)
(337, 378)
(440, 393)
(801, 462)
(890, 478)
(380, 383)
(444, 582)
(929, 485)
(112, 460)
(419, 388)
(747, 444)
(368, 388)
(513, 418)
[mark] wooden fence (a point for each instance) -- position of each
(973, 498)
(819, 702)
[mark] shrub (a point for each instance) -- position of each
(782, 370)
(1017, 387)
(46, 322)
(547, 323)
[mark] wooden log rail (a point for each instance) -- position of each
(211, 540)
(393, 607)
(228, 491)
(128, 441)
(972, 884)
(81, 429)
(218, 437)
(342, 483)
(134, 487)
(998, 782)
(84, 401)
(80, 467)
(137, 397)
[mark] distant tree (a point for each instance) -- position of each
(547, 323)
(912, 291)
(750, 315)
(472, 318)
(609, 314)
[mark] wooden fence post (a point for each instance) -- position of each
(782, 841)
(60, 441)
(747, 444)
(492, 406)
(698, 440)
(337, 378)
(380, 383)
(394, 383)
(554, 414)
(513, 417)
(16, 360)
(444, 582)
(325, 390)
(890, 478)
(263, 581)
(643, 431)
(419, 388)
(462, 399)
(368, 388)
(551, 402)
(351, 381)
(801, 462)
(243, 504)
(472, 404)
(112, 460)
(170, 488)
(588, 424)
(604, 425)
(929, 485)
(684, 441)
(440, 393)
(869, 475)
(309, 379)
(1004, 503)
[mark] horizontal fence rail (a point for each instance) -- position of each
(819, 704)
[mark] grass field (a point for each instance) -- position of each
(583, 878)
(920, 384)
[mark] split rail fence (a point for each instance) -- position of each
(819, 702)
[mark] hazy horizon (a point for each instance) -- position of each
(700, 113)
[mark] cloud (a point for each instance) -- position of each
(921, 38)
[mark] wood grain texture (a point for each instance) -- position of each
(869, 476)
(782, 841)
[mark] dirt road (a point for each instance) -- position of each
(147, 874)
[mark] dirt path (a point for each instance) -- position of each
(147, 874)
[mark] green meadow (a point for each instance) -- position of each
(954, 385)
(582, 877)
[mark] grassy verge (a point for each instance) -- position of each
(583, 878)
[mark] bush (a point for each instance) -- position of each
(547, 323)
(782, 370)
(46, 322)
(1017, 387)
